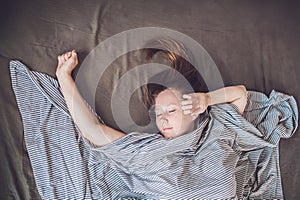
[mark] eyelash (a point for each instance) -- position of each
(171, 111)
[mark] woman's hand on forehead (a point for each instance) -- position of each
(194, 103)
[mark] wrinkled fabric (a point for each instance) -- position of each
(229, 155)
(57, 154)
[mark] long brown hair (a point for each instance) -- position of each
(177, 57)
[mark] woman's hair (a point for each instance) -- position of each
(176, 56)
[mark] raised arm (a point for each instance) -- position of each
(86, 121)
(197, 103)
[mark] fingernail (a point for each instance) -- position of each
(186, 112)
(185, 96)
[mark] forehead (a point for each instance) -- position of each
(168, 97)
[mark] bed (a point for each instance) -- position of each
(252, 43)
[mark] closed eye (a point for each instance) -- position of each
(158, 115)
(171, 111)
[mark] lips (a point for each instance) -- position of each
(167, 129)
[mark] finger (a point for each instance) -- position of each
(200, 110)
(60, 59)
(202, 107)
(73, 52)
(69, 54)
(186, 96)
(66, 57)
(186, 102)
(186, 112)
(196, 112)
(194, 115)
(187, 107)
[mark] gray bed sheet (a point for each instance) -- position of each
(255, 43)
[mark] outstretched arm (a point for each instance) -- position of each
(197, 103)
(86, 121)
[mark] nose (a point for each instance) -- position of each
(164, 118)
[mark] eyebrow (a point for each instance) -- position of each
(157, 107)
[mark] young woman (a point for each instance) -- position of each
(176, 112)
(201, 151)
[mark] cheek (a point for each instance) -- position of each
(176, 120)
(184, 122)
(158, 124)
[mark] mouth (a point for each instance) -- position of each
(167, 129)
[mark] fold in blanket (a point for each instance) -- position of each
(228, 156)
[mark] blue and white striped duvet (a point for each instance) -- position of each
(227, 156)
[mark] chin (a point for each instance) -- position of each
(166, 135)
(169, 135)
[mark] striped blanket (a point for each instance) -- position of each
(228, 156)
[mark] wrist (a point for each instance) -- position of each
(208, 99)
(62, 75)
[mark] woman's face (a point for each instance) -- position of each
(170, 119)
